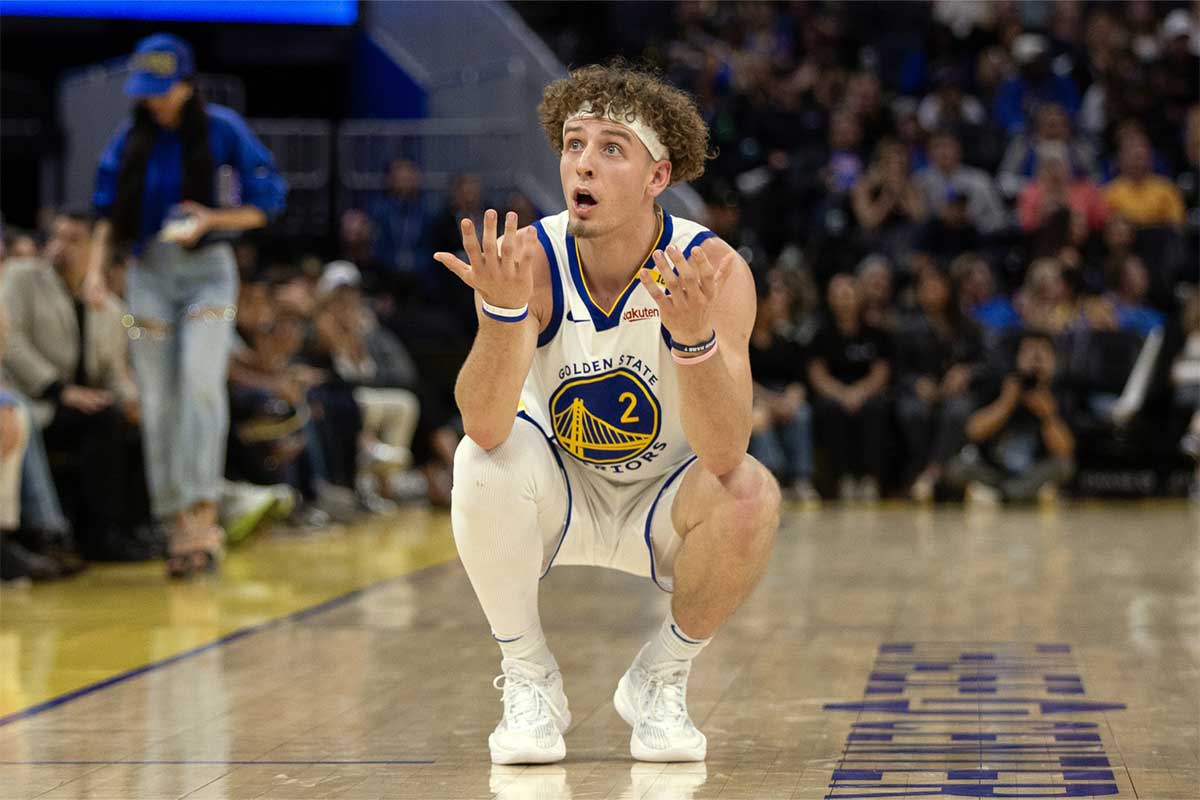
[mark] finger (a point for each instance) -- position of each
(489, 235)
(724, 270)
(667, 272)
(508, 257)
(656, 292)
(687, 273)
(471, 243)
(526, 241)
(455, 265)
(705, 272)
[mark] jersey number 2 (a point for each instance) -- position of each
(628, 415)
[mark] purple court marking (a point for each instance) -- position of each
(934, 732)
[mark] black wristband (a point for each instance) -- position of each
(692, 349)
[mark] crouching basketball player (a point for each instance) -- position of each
(607, 403)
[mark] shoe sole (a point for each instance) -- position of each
(641, 752)
(505, 756)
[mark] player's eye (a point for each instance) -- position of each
(613, 149)
(574, 144)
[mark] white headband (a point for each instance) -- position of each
(658, 151)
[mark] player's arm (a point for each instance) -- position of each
(713, 293)
(489, 385)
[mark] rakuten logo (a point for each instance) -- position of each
(635, 314)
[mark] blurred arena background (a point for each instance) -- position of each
(979, 169)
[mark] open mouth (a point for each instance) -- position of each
(584, 200)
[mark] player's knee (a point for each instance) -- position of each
(754, 500)
(501, 471)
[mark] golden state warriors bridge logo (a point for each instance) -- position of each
(606, 418)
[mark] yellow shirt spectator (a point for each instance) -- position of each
(1153, 200)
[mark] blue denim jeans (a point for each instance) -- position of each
(40, 506)
(182, 303)
(786, 449)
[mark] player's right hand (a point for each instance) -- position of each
(498, 270)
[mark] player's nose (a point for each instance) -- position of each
(584, 165)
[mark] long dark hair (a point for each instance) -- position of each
(197, 165)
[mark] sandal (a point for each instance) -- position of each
(194, 549)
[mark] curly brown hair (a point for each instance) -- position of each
(628, 91)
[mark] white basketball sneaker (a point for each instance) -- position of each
(653, 700)
(535, 715)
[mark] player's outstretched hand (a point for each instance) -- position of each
(692, 289)
(498, 270)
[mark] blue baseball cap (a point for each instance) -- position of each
(158, 62)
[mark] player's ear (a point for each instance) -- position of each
(660, 178)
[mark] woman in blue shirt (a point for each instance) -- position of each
(175, 183)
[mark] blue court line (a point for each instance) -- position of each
(214, 763)
(296, 616)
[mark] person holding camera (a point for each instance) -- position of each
(1020, 447)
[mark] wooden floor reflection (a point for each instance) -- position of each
(387, 694)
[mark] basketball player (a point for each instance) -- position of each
(607, 406)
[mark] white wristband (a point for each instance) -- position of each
(501, 314)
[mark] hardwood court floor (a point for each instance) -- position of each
(889, 653)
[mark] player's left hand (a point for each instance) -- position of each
(694, 285)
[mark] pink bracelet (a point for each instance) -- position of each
(695, 359)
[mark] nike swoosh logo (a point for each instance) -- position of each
(571, 318)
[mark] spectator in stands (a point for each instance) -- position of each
(993, 69)
(910, 134)
(864, 99)
(1056, 188)
(848, 371)
(1020, 447)
(72, 360)
(946, 171)
(939, 349)
(977, 295)
(782, 437)
(844, 165)
(24, 245)
(1024, 154)
(875, 289)
(948, 233)
(465, 202)
(888, 204)
(356, 240)
(1034, 84)
(1045, 301)
(1175, 79)
(1142, 197)
(156, 189)
(374, 365)
(15, 560)
(947, 107)
(1128, 297)
(401, 220)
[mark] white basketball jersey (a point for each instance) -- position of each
(602, 387)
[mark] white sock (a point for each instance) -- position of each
(503, 500)
(528, 646)
(672, 644)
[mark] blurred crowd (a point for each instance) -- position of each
(974, 231)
